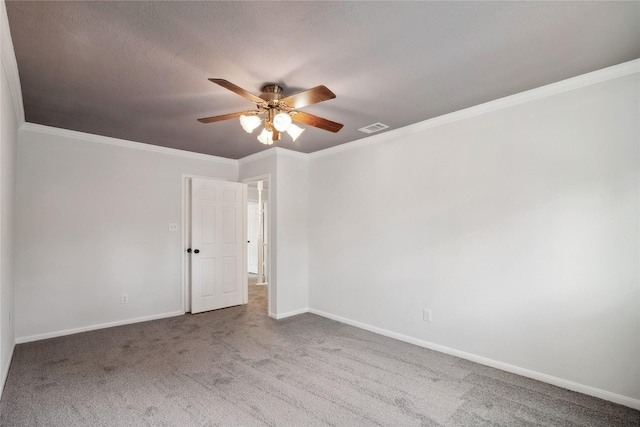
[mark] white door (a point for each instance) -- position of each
(218, 268)
(252, 235)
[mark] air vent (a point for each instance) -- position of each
(373, 128)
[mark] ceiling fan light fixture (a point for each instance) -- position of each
(266, 137)
(294, 131)
(279, 109)
(249, 123)
(281, 122)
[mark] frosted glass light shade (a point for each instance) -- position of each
(249, 123)
(281, 122)
(294, 131)
(266, 137)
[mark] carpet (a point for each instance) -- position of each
(238, 367)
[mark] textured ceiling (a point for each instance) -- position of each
(139, 70)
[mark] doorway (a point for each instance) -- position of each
(257, 230)
(258, 239)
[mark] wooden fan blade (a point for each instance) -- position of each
(237, 89)
(308, 97)
(315, 121)
(228, 116)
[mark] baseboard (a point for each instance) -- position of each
(279, 316)
(570, 385)
(5, 370)
(30, 338)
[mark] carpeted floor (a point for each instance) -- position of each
(237, 366)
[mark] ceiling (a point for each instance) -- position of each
(138, 70)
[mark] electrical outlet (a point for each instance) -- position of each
(124, 299)
(426, 315)
(173, 226)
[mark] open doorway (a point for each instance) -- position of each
(258, 243)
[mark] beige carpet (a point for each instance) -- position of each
(238, 367)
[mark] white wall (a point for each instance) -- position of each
(288, 242)
(518, 228)
(261, 165)
(93, 224)
(293, 234)
(8, 144)
(11, 116)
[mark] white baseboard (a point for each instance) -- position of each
(5, 369)
(570, 385)
(38, 337)
(279, 316)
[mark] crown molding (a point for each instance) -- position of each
(257, 156)
(609, 73)
(290, 153)
(10, 65)
(53, 131)
(273, 152)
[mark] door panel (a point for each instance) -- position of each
(229, 231)
(207, 225)
(229, 274)
(208, 274)
(218, 268)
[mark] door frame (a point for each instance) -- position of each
(270, 281)
(251, 203)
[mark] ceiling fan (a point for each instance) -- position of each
(279, 111)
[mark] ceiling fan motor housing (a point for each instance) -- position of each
(271, 93)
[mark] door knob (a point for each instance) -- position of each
(196, 251)
(189, 250)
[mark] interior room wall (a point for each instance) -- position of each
(93, 224)
(261, 165)
(293, 233)
(518, 228)
(288, 208)
(8, 153)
